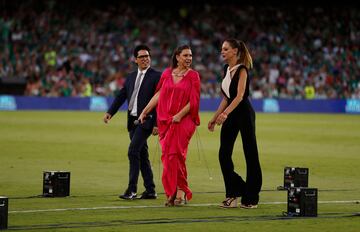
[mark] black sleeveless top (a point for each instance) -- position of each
(234, 83)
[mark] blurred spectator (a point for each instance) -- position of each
(309, 90)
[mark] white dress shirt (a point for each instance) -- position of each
(134, 109)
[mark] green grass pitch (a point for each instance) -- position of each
(96, 155)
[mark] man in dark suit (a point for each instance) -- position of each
(139, 88)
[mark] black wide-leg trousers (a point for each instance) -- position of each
(241, 119)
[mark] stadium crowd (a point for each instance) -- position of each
(62, 49)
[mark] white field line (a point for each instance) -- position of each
(162, 206)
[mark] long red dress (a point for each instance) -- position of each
(175, 137)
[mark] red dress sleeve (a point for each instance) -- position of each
(195, 98)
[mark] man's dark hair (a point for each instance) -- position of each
(140, 47)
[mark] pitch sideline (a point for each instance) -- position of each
(162, 206)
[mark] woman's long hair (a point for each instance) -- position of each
(243, 53)
(178, 50)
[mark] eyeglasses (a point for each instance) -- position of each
(143, 56)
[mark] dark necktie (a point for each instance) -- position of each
(136, 90)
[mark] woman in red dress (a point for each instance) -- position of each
(177, 100)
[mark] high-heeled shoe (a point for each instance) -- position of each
(248, 206)
(180, 198)
(170, 201)
(230, 202)
(180, 201)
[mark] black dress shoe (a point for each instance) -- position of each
(128, 195)
(148, 195)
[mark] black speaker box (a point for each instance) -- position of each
(302, 202)
(296, 177)
(4, 205)
(56, 184)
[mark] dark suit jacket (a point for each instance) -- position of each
(146, 92)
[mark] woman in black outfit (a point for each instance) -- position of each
(235, 114)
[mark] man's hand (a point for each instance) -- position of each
(107, 117)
